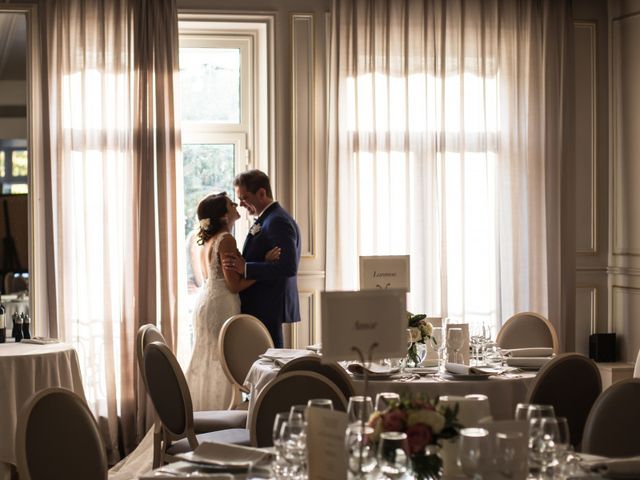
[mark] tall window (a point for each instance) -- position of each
(222, 130)
(14, 166)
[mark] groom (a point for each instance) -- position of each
(274, 296)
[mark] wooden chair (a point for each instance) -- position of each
(636, 370)
(242, 339)
(571, 383)
(57, 437)
(527, 329)
(613, 424)
(332, 371)
(203, 421)
(292, 388)
(169, 393)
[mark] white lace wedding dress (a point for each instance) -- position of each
(210, 389)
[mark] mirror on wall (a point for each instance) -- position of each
(14, 161)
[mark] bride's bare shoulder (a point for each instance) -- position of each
(227, 243)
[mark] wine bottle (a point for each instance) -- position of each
(26, 325)
(17, 327)
(3, 324)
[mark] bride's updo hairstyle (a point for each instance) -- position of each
(212, 211)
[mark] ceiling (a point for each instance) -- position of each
(13, 46)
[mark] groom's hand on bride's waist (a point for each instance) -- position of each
(233, 262)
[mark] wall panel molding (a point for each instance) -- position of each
(625, 76)
(625, 309)
(304, 332)
(586, 316)
(303, 127)
(585, 34)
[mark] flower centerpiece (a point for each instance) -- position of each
(420, 331)
(425, 422)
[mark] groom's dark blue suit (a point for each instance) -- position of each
(274, 296)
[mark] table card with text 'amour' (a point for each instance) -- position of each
(385, 272)
(361, 319)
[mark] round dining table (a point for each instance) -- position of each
(25, 369)
(504, 391)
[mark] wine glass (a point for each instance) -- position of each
(293, 440)
(554, 441)
(511, 454)
(475, 454)
(320, 403)
(393, 454)
(360, 450)
(384, 400)
(454, 342)
(359, 409)
(279, 465)
(296, 410)
(522, 409)
(535, 414)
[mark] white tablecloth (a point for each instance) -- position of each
(504, 391)
(24, 370)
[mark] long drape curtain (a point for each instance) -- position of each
(447, 141)
(111, 146)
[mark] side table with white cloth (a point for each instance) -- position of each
(25, 369)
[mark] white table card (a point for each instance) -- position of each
(388, 272)
(325, 444)
(360, 319)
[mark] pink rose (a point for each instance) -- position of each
(419, 436)
(394, 420)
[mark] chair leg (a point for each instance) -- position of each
(157, 444)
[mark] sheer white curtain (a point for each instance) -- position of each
(445, 143)
(111, 195)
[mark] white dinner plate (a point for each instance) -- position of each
(422, 370)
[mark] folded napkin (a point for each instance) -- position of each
(530, 352)
(461, 369)
(616, 467)
(527, 362)
(226, 454)
(372, 369)
(283, 355)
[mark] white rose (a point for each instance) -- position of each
(416, 336)
(430, 418)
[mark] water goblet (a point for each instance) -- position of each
(320, 403)
(300, 410)
(385, 399)
(393, 454)
(475, 455)
(359, 409)
(279, 465)
(361, 453)
(294, 447)
(511, 454)
(522, 409)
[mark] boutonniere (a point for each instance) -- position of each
(255, 229)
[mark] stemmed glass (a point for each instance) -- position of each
(475, 454)
(454, 342)
(293, 441)
(393, 454)
(511, 454)
(279, 465)
(537, 447)
(438, 337)
(320, 403)
(359, 409)
(360, 450)
(384, 400)
(554, 441)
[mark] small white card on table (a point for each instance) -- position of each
(357, 320)
(385, 272)
(325, 444)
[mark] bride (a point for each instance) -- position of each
(218, 300)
